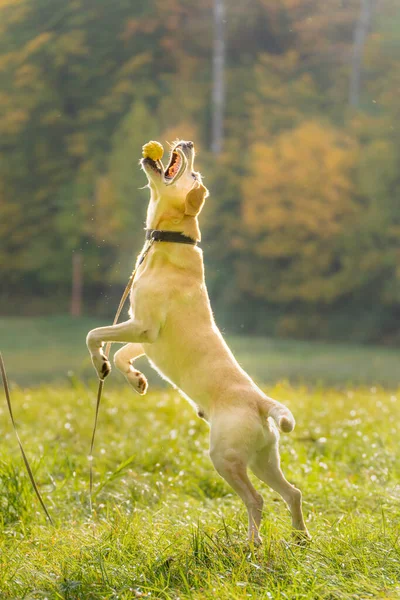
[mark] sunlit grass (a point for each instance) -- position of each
(166, 526)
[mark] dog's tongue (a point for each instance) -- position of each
(174, 168)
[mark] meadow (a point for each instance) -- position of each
(52, 349)
(164, 524)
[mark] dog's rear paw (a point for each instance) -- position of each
(255, 539)
(301, 537)
(137, 380)
(102, 365)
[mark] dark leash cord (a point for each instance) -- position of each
(107, 352)
(27, 465)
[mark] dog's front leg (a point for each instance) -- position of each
(123, 360)
(132, 331)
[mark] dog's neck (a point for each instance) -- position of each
(170, 218)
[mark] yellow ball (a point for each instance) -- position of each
(153, 150)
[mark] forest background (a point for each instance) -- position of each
(294, 109)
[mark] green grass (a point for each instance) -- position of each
(48, 349)
(166, 526)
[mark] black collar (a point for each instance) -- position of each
(159, 235)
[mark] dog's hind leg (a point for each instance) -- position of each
(123, 360)
(266, 466)
(234, 471)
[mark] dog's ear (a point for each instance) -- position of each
(195, 199)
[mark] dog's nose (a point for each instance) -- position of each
(189, 144)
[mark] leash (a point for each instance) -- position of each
(27, 465)
(151, 237)
(107, 352)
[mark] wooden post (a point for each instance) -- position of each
(77, 285)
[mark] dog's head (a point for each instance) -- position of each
(177, 190)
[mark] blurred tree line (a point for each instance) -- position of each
(301, 232)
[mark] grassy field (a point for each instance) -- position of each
(50, 349)
(164, 524)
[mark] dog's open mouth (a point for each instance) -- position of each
(174, 166)
(177, 165)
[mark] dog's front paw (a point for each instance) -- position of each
(101, 364)
(137, 380)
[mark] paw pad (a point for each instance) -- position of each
(142, 384)
(105, 368)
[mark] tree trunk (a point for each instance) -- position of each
(360, 35)
(218, 83)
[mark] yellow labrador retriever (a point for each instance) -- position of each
(171, 322)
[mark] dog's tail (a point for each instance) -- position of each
(280, 414)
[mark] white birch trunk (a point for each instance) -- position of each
(360, 35)
(218, 81)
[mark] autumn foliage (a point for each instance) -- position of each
(301, 231)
